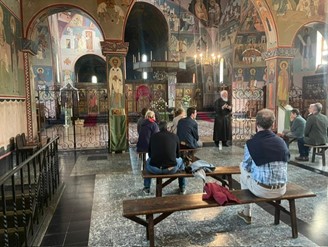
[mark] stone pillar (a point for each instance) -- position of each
(279, 64)
(115, 53)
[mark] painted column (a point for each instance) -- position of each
(31, 130)
(279, 80)
(172, 81)
(115, 53)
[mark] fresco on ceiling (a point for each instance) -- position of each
(14, 6)
(11, 57)
(305, 42)
(112, 15)
(307, 8)
(207, 11)
(229, 23)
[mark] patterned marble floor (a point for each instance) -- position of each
(104, 180)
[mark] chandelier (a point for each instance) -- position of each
(205, 58)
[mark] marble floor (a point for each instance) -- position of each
(89, 212)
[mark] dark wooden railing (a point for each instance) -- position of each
(26, 191)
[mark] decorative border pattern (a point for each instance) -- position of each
(114, 47)
(28, 98)
(285, 52)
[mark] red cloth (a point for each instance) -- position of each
(219, 193)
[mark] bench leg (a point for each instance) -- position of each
(150, 230)
(229, 177)
(293, 221)
(313, 154)
(277, 212)
(323, 152)
(159, 187)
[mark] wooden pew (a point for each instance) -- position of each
(219, 173)
(318, 150)
(157, 209)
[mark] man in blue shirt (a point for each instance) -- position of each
(264, 167)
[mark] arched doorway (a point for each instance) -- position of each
(63, 105)
(90, 69)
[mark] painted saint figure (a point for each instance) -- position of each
(283, 82)
(116, 82)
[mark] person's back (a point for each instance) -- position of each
(297, 127)
(187, 130)
(164, 149)
(264, 167)
(316, 127)
(147, 129)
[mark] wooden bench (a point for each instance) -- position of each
(165, 206)
(219, 173)
(318, 150)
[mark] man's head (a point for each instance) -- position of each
(318, 107)
(224, 94)
(265, 118)
(192, 112)
(294, 113)
(143, 111)
(162, 126)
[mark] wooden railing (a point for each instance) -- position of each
(26, 191)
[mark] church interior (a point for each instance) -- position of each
(75, 76)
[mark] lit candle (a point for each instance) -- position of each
(151, 55)
(133, 59)
(138, 56)
(165, 55)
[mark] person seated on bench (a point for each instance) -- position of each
(264, 166)
(180, 113)
(164, 149)
(147, 129)
(315, 132)
(296, 131)
(187, 130)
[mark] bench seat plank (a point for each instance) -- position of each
(194, 201)
(165, 206)
(216, 174)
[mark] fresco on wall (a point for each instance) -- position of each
(305, 42)
(249, 77)
(43, 77)
(11, 59)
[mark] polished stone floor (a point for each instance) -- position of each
(89, 212)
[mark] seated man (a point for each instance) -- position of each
(164, 149)
(264, 167)
(315, 132)
(187, 130)
(296, 131)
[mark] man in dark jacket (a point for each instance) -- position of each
(187, 130)
(315, 132)
(164, 151)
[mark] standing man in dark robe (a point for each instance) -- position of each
(222, 124)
